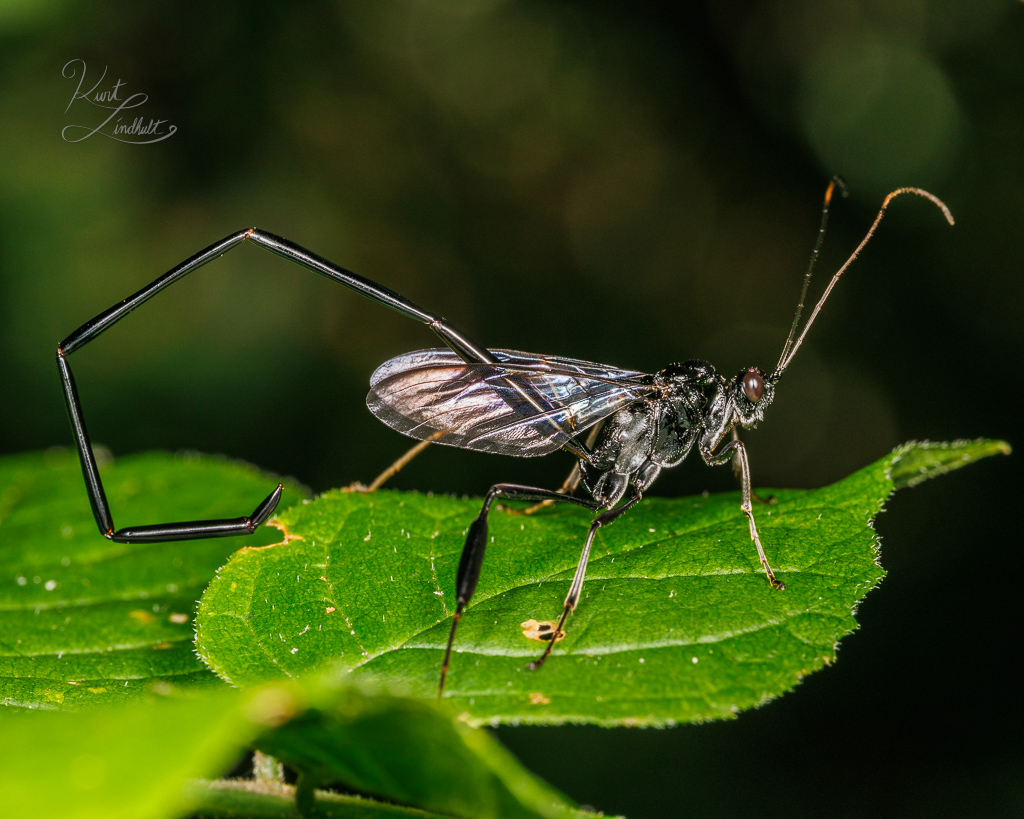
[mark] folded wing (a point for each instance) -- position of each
(525, 405)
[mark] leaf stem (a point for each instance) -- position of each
(251, 799)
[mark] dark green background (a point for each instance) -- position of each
(628, 184)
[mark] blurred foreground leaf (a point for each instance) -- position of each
(84, 620)
(117, 760)
(410, 752)
(141, 760)
(677, 624)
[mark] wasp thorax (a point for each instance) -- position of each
(753, 386)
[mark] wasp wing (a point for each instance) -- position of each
(524, 405)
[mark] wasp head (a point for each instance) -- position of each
(749, 393)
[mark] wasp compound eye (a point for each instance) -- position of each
(753, 386)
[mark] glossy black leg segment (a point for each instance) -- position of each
(472, 559)
(191, 530)
(91, 472)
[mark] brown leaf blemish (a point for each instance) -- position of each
(541, 630)
(288, 538)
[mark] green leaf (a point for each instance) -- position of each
(409, 751)
(677, 622)
(84, 620)
(115, 761)
(917, 462)
(140, 760)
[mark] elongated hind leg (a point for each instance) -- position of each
(576, 589)
(466, 349)
(735, 451)
(476, 545)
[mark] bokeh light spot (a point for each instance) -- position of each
(879, 113)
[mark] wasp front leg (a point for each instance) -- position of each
(737, 453)
(737, 471)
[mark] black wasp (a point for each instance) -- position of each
(510, 403)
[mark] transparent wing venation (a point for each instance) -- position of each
(526, 405)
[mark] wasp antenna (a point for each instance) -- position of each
(789, 353)
(840, 183)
